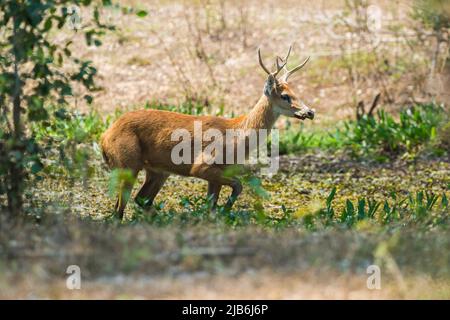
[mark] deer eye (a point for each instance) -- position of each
(285, 97)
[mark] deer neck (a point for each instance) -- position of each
(261, 116)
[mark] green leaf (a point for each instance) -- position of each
(331, 197)
(141, 13)
(36, 167)
(88, 99)
(361, 209)
(444, 201)
(48, 24)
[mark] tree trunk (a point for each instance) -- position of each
(16, 175)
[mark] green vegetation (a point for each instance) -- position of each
(70, 140)
(424, 210)
(378, 137)
(421, 208)
(26, 45)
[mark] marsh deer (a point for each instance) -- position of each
(141, 140)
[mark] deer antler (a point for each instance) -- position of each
(290, 72)
(261, 63)
(283, 60)
(275, 73)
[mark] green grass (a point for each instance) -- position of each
(385, 137)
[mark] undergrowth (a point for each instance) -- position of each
(423, 209)
(381, 137)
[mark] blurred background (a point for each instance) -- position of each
(205, 51)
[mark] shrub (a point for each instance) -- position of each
(426, 207)
(69, 140)
(383, 136)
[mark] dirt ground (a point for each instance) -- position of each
(250, 285)
(206, 51)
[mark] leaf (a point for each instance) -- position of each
(88, 98)
(48, 24)
(141, 13)
(444, 201)
(350, 208)
(331, 197)
(36, 167)
(361, 209)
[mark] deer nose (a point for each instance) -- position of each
(310, 114)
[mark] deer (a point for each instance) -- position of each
(141, 140)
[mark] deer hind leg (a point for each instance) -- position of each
(125, 154)
(153, 183)
(125, 189)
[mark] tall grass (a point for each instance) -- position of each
(383, 136)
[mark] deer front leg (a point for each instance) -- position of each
(236, 186)
(215, 176)
(213, 194)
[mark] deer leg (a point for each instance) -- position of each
(215, 175)
(124, 195)
(236, 191)
(154, 181)
(213, 194)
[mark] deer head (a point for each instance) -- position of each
(279, 93)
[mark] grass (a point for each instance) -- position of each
(385, 137)
(424, 208)
(71, 140)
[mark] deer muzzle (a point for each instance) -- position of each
(305, 114)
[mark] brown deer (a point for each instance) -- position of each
(141, 140)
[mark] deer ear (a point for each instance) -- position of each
(270, 85)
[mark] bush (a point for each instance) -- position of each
(444, 137)
(384, 137)
(380, 137)
(69, 141)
